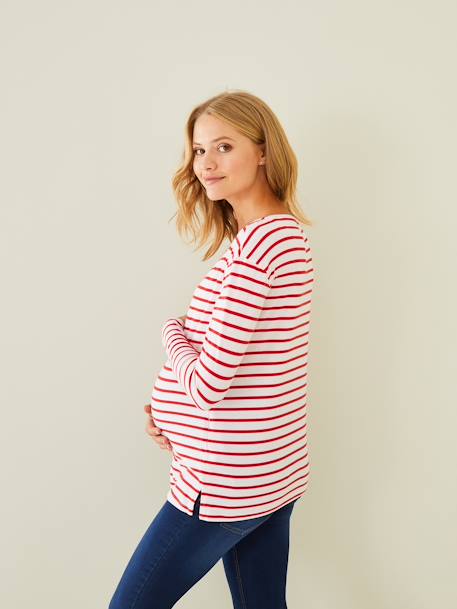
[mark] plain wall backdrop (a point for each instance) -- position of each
(94, 100)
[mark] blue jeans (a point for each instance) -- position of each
(177, 550)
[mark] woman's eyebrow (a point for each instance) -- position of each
(223, 137)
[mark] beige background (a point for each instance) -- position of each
(94, 99)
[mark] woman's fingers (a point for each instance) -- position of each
(151, 429)
(156, 433)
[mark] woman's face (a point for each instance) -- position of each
(221, 151)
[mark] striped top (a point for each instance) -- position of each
(232, 396)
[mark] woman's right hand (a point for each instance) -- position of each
(154, 431)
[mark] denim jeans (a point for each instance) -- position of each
(177, 550)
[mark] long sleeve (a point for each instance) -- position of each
(207, 376)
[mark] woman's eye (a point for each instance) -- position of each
(196, 150)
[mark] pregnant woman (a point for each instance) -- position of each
(230, 402)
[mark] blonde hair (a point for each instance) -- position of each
(253, 118)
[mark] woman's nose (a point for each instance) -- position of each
(207, 161)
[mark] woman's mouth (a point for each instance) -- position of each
(213, 180)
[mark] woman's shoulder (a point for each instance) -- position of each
(270, 237)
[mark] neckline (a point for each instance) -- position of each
(241, 230)
(269, 216)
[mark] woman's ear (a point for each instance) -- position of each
(262, 159)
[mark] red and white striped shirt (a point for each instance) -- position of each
(232, 396)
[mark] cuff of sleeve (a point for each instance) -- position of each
(171, 322)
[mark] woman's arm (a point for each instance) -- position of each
(207, 376)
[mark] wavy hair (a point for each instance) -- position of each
(253, 118)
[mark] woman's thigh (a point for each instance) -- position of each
(256, 567)
(174, 553)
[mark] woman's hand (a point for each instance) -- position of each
(154, 431)
(151, 428)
